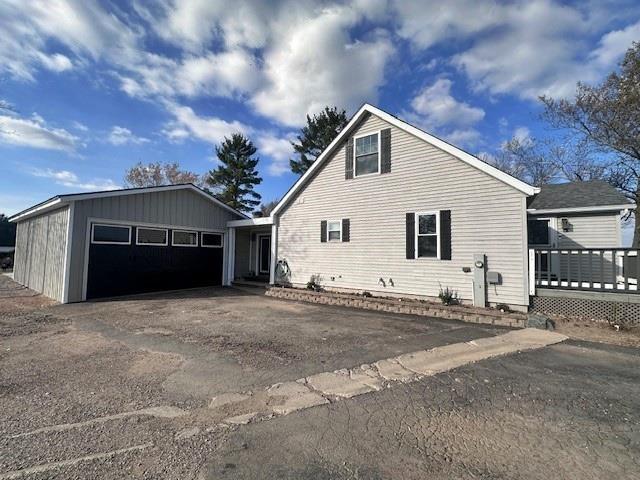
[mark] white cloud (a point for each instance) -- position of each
(80, 126)
(188, 124)
(439, 108)
(522, 48)
(613, 45)
(337, 70)
(56, 62)
(69, 179)
(124, 136)
(279, 150)
(522, 134)
(436, 110)
(35, 133)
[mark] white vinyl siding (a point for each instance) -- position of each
(487, 216)
(590, 231)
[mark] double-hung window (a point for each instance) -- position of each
(334, 231)
(367, 154)
(427, 232)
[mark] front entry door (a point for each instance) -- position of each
(264, 256)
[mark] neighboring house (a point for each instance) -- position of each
(386, 208)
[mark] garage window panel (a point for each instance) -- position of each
(184, 238)
(211, 240)
(110, 234)
(152, 236)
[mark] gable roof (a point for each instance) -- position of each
(575, 196)
(422, 135)
(61, 200)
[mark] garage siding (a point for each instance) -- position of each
(176, 208)
(487, 216)
(40, 253)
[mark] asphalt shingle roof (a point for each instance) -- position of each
(577, 194)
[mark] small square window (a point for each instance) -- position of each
(211, 240)
(151, 236)
(334, 231)
(366, 156)
(182, 238)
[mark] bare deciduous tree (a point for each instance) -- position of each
(607, 117)
(265, 209)
(157, 174)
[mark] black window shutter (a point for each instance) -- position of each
(323, 231)
(346, 230)
(411, 235)
(445, 234)
(348, 160)
(385, 150)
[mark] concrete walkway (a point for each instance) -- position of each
(326, 387)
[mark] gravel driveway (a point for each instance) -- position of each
(120, 389)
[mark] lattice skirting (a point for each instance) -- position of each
(588, 309)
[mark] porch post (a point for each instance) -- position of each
(274, 251)
(532, 271)
(231, 256)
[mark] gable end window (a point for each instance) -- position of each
(334, 231)
(427, 230)
(366, 154)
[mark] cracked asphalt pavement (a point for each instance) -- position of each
(98, 390)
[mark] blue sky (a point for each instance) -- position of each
(96, 88)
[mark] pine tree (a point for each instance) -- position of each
(316, 136)
(234, 180)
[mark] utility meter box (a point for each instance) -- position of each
(494, 278)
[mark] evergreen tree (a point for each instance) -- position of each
(316, 136)
(234, 180)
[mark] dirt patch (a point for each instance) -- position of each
(16, 298)
(598, 332)
(155, 364)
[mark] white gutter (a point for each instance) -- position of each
(602, 208)
(36, 210)
(250, 222)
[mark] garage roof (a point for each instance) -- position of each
(61, 200)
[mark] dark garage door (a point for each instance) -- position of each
(126, 268)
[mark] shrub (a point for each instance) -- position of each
(448, 296)
(314, 283)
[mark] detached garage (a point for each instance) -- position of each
(85, 246)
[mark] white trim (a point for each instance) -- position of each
(66, 275)
(146, 244)
(339, 222)
(48, 205)
(532, 271)
(188, 245)
(250, 222)
(231, 255)
(417, 233)
(94, 242)
(436, 142)
(212, 246)
(602, 208)
(260, 237)
(379, 134)
(274, 253)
